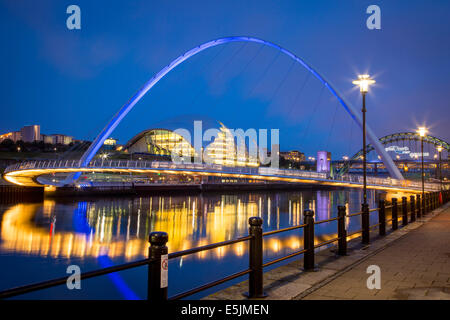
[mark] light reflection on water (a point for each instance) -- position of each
(58, 232)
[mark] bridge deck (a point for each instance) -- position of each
(27, 173)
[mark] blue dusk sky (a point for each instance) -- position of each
(74, 81)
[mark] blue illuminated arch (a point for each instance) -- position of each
(106, 132)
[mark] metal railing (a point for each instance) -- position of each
(158, 257)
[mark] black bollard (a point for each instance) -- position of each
(308, 234)
(413, 208)
(342, 233)
(255, 281)
(419, 207)
(404, 211)
(157, 267)
(365, 223)
(394, 214)
(382, 217)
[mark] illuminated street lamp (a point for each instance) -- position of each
(104, 156)
(422, 131)
(439, 149)
(364, 81)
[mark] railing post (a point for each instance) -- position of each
(342, 233)
(435, 202)
(413, 208)
(394, 214)
(419, 209)
(308, 234)
(255, 283)
(158, 268)
(404, 211)
(382, 217)
(365, 223)
(424, 205)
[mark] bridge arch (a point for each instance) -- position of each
(106, 132)
(395, 137)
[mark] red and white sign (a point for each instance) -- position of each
(164, 270)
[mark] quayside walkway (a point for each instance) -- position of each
(416, 266)
(414, 262)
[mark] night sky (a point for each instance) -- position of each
(74, 81)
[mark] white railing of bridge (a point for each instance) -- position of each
(215, 168)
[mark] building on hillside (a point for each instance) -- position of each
(294, 156)
(14, 136)
(31, 133)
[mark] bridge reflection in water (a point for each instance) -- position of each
(118, 228)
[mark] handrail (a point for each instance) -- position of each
(284, 258)
(207, 247)
(58, 281)
(210, 285)
(269, 233)
(327, 220)
(326, 242)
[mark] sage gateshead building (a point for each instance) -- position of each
(177, 138)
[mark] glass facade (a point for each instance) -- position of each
(166, 142)
(222, 150)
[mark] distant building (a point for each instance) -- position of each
(109, 144)
(323, 161)
(294, 156)
(14, 136)
(221, 149)
(31, 133)
(57, 139)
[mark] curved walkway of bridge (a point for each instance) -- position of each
(31, 173)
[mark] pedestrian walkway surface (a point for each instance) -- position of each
(414, 262)
(416, 266)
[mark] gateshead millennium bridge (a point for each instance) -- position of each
(29, 173)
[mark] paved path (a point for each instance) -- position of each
(415, 266)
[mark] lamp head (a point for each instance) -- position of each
(364, 81)
(439, 148)
(422, 131)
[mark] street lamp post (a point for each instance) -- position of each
(363, 82)
(422, 132)
(439, 149)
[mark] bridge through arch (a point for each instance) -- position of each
(106, 132)
(396, 137)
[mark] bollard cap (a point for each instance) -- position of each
(394, 199)
(404, 198)
(308, 213)
(255, 221)
(158, 238)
